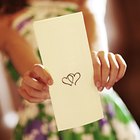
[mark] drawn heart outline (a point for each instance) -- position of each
(71, 78)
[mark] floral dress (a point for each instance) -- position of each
(36, 121)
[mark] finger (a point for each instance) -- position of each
(97, 70)
(114, 68)
(105, 67)
(34, 83)
(122, 66)
(35, 93)
(41, 74)
(30, 99)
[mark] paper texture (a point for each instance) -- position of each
(65, 53)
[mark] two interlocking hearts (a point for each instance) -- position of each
(71, 79)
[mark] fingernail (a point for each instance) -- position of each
(44, 88)
(100, 88)
(98, 84)
(42, 100)
(108, 87)
(50, 82)
(117, 80)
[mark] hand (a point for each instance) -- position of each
(108, 69)
(35, 84)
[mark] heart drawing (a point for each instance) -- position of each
(71, 79)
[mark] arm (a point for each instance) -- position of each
(20, 52)
(108, 67)
(36, 80)
(3, 35)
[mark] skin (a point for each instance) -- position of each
(36, 80)
(108, 67)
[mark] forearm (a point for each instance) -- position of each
(90, 24)
(34, 86)
(94, 21)
(3, 36)
(20, 52)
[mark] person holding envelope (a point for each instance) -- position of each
(36, 120)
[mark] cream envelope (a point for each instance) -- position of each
(65, 53)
